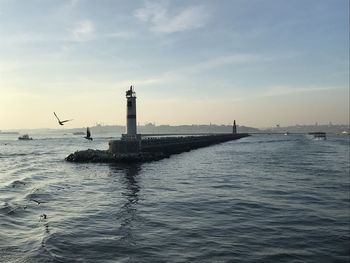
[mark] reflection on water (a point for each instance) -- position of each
(128, 210)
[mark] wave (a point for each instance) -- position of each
(36, 153)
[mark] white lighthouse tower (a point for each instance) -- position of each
(131, 128)
(130, 142)
(131, 112)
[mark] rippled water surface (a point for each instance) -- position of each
(266, 198)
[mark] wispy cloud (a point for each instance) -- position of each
(160, 20)
(204, 66)
(72, 3)
(118, 35)
(10, 66)
(80, 32)
(83, 30)
(220, 61)
(186, 72)
(98, 85)
(289, 90)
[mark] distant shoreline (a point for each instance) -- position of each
(194, 128)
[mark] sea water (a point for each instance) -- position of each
(265, 198)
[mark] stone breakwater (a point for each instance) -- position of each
(150, 149)
(100, 156)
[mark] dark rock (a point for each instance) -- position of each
(90, 156)
(94, 156)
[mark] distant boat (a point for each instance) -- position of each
(286, 133)
(318, 135)
(78, 133)
(25, 137)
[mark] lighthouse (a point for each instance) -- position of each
(130, 142)
(234, 127)
(131, 129)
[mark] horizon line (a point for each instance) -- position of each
(155, 125)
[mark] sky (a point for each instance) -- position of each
(261, 62)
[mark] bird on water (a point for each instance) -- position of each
(88, 134)
(59, 121)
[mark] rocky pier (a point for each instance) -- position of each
(149, 149)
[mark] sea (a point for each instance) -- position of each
(264, 198)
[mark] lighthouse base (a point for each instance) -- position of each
(124, 146)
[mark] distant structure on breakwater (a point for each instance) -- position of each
(133, 147)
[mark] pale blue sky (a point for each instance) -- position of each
(261, 62)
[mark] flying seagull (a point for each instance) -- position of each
(59, 121)
(88, 134)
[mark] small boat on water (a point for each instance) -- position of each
(25, 137)
(318, 135)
